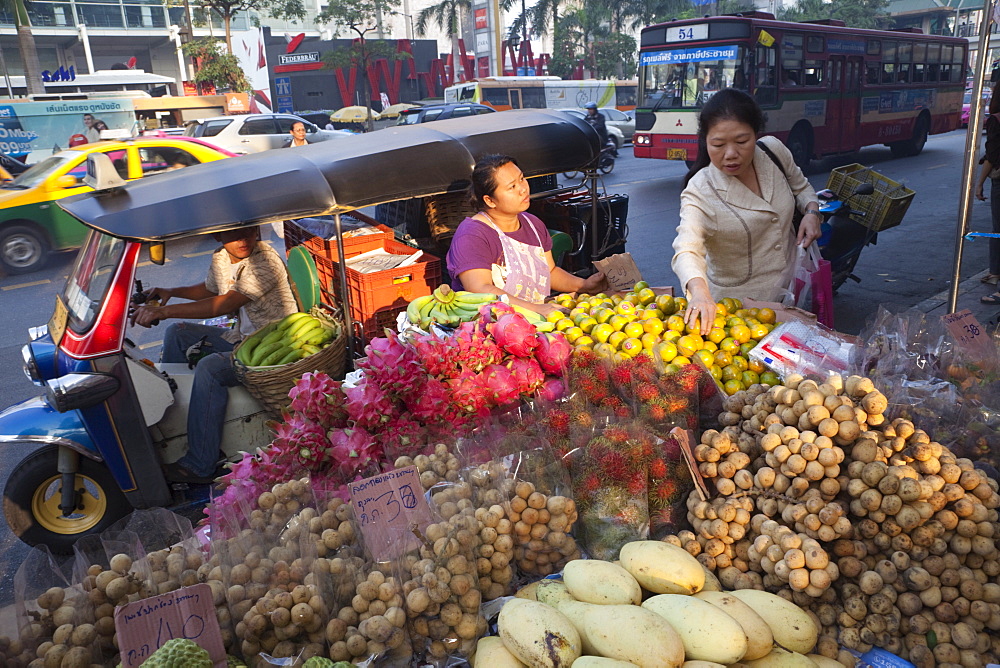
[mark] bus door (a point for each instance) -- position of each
(843, 111)
(515, 98)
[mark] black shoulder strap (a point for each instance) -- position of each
(773, 157)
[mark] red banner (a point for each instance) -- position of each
(481, 23)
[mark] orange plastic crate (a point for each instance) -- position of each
(377, 298)
(327, 248)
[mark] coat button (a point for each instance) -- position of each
(777, 246)
(774, 220)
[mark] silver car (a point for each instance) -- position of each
(252, 133)
(620, 125)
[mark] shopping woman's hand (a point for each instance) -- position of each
(979, 193)
(701, 307)
(809, 229)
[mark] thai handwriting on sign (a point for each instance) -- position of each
(388, 507)
(145, 626)
(969, 334)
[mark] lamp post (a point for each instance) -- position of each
(409, 23)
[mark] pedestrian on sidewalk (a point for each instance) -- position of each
(991, 168)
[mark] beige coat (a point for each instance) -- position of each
(738, 242)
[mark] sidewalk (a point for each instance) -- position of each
(969, 293)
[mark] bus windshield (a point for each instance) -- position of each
(685, 78)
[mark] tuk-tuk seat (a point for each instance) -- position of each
(561, 244)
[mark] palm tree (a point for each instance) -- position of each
(26, 45)
(447, 14)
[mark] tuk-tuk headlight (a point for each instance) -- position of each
(80, 390)
(30, 366)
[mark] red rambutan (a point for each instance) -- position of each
(657, 468)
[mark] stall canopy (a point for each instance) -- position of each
(335, 176)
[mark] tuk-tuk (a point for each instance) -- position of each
(108, 421)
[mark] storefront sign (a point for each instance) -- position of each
(298, 58)
(145, 626)
(481, 21)
(237, 103)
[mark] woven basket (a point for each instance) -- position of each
(445, 212)
(270, 385)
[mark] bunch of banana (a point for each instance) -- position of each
(285, 341)
(447, 307)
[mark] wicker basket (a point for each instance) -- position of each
(884, 208)
(270, 385)
(445, 212)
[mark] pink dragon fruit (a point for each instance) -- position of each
(435, 353)
(352, 449)
(369, 405)
(470, 393)
(502, 383)
(319, 398)
(514, 334)
(553, 353)
(432, 404)
(553, 389)
(401, 434)
(472, 349)
(527, 373)
(394, 368)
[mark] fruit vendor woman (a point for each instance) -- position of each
(736, 237)
(246, 277)
(506, 251)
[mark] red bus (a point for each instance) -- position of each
(825, 88)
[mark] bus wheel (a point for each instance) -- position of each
(799, 146)
(915, 144)
(23, 249)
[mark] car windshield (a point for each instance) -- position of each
(409, 118)
(968, 97)
(92, 274)
(687, 77)
(38, 172)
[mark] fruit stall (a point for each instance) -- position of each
(601, 489)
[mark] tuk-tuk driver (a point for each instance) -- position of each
(246, 277)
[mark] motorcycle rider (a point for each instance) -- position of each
(596, 120)
(246, 276)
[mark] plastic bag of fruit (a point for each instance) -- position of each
(55, 619)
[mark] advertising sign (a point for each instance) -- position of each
(688, 55)
(481, 21)
(298, 58)
(45, 126)
(248, 47)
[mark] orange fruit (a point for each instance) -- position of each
(681, 304)
(555, 317)
(745, 348)
(573, 333)
(694, 328)
(757, 366)
(604, 350)
(759, 331)
(649, 340)
(633, 330)
(769, 378)
(722, 358)
(729, 303)
(587, 324)
(653, 326)
(584, 342)
(601, 332)
(666, 304)
(688, 345)
(616, 338)
(766, 316)
(563, 324)
(716, 335)
(639, 285)
(625, 308)
(716, 372)
(740, 333)
(630, 347)
(665, 350)
(671, 369)
(681, 360)
(671, 335)
(740, 362)
(618, 322)
(710, 346)
(646, 296)
(729, 345)
(732, 387)
(705, 357)
(676, 323)
(604, 314)
(648, 313)
(749, 378)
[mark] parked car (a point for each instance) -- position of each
(967, 105)
(439, 112)
(615, 132)
(253, 133)
(31, 226)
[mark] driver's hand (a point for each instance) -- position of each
(145, 315)
(159, 294)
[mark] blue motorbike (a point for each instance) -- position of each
(843, 239)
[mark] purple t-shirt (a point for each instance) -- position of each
(476, 245)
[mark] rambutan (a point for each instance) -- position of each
(665, 517)
(663, 493)
(616, 434)
(657, 468)
(646, 392)
(590, 484)
(558, 420)
(614, 465)
(637, 484)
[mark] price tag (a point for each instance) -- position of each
(145, 626)
(969, 334)
(388, 507)
(621, 271)
(684, 438)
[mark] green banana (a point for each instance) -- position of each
(309, 349)
(444, 294)
(291, 319)
(300, 328)
(273, 358)
(277, 335)
(318, 337)
(292, 356)
(413, 310)
(528, 314)
(475, 298)
(263, 351)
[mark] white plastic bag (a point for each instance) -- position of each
(796, 286)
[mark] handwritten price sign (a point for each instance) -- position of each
(387, 507)
(145, 626)
(969, 334)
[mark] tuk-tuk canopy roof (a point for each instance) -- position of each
(334, 176)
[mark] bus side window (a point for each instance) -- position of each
(888, 73)
(766, 90)
(918, 72)
(872, 73)
(813, 73)
(903, 75)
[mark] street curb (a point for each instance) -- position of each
(941, 299)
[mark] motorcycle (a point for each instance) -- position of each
(108, 418)
(605, 161)
(842, 238)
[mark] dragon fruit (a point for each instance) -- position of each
(502, 383)
(527, 372)
(304, 439)
(553, 389)
(435, 354)
(352, 450)
(514, 334)
(553, 353)
(470, 393)
(369, 405)
(472, 349)
(432, 404)
(319, 398)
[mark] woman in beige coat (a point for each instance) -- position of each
(736, 238)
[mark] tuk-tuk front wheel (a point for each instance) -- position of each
(23, 249)
(33, 493)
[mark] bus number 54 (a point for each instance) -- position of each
(685, 34)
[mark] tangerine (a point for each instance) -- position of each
(671, 335)
(616, 338)
(584, 341)
(573, 333)
(749, 378)
(740, 333)
(649, 340)
(681, 303)
(705, 357)
(601, 332)
(769, 378)
(730, 372)
(676, 323)
(689, 344)
(604, 350)
(716, 335)
(640, 285)
(710, 346)
(646, 296)
(555, 317)
(722, 358)
(759, 331)
(732, 387)
(757, 366)
(740, 362)
(587, 324)
(729, 345)
(563, 324)
(766, 316)
(681, 360)
(653, 326)
(745, 348)
(666, 304)
(618, 322)
(665, 350)
(633, 330)
(716, 372)
(630, 347)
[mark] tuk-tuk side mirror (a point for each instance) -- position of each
(158, 253)
(75, 391)
(66, 181)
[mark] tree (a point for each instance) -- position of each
(227, 9)
(222, 70)
(26, 45)
(361, 17)
(447, 14)
(855, 13)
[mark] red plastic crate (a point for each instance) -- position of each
(377, 298)
(319, 247)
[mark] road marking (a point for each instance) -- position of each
(44, 281)
(934, 167)
(199, 254)
(152, 344)
(149, 263)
